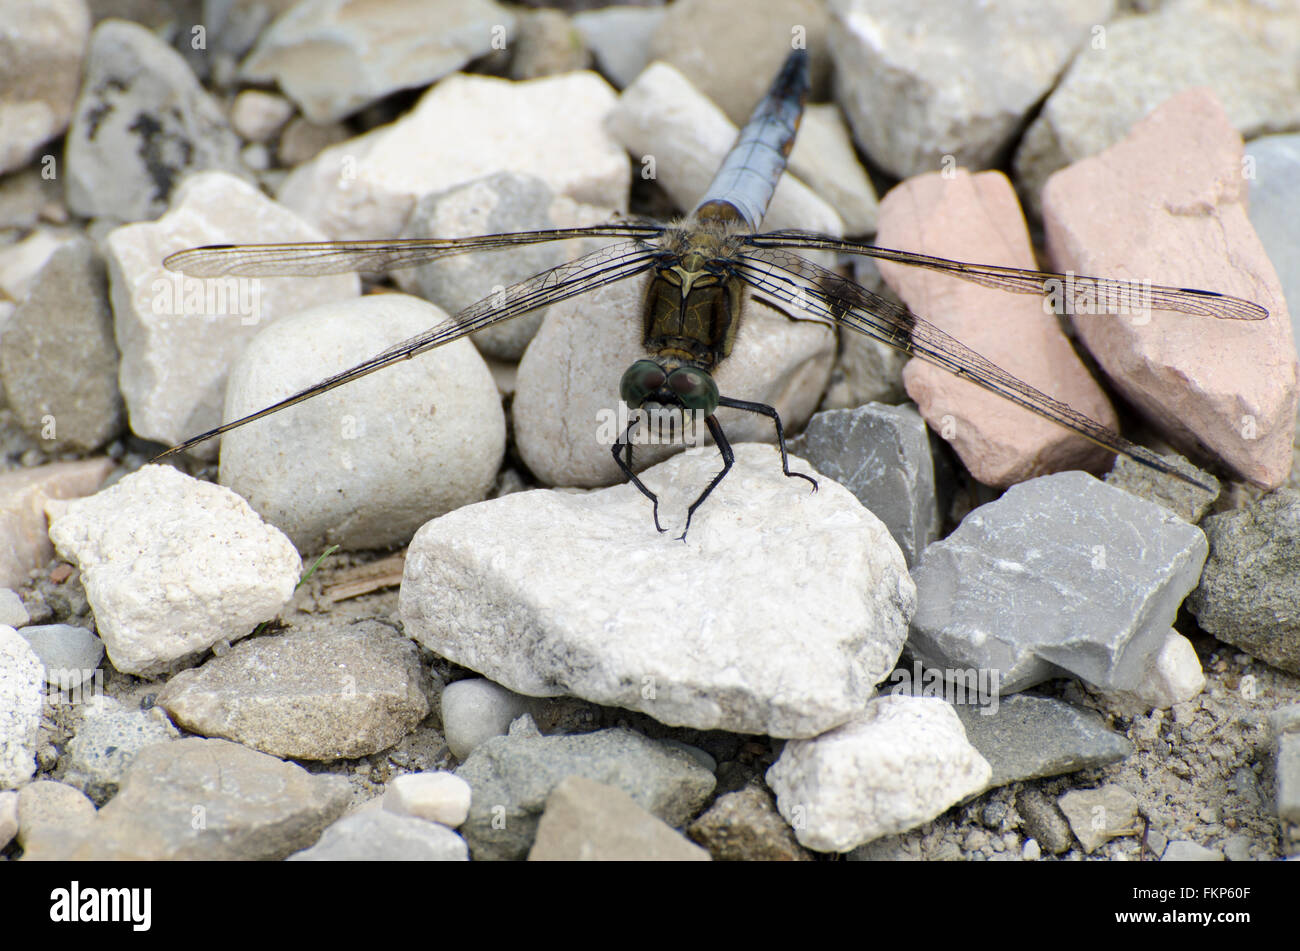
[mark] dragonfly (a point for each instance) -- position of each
(703, 267)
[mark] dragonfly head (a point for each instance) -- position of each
(689, 387)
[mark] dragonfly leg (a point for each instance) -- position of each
(766, 410)
(625, 441)
(728, 457)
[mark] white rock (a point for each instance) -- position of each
(929, 80)
(41, 46)
(679, 138)
(902, 762)
(22, 261)
(22, 692)
(333, 57)
(438, 796)
(1173, 675)
(496, 204)
(823, 156)
(365, 465)
(620, 39)
(776, 616)
(566, 406)
(474, 710)
(466, 127)
(258, 115)
(1244, 52)
(179, 335)
(172, 565)
(13, 613)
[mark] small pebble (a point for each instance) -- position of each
(439, 797)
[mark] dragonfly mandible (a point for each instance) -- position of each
(703, 267)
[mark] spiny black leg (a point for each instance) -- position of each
(728, 457)
(766, 410)
(627, 468)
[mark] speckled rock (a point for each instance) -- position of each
(376, 835)
(744, 826)
(157, 596)
(22, 692)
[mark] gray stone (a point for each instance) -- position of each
(333, 59)
(376, 835)
(323, 693)
(1027, 737)
(365, 465)
(45, 805)
(58, 359)
(1188, 501)
(203, 800)
(759, 33)
(1250, 591)
(592, 822)
(1272, 178)
(69, 654)
(882, 455)
(8, 817)
(899, 764)
(866, 369)
(302, 141)
(1244, 52)
(1098, 815)
(106, 742)
(927, 82)
(142, 123)
(744, 826)
(1043, 820)
(619, 37)
(1182, 850)
(41, 48)
(1061, 573)
(1285, 724)
(475, 710)
(497, 204)
(12, 611)
(160, 596)
(546, 44)
(825, 160)
(512, 777)
(22, 694)
(487, 588)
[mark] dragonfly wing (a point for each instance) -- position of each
(1085, 294)
(314, 258)
(600, 267)
(812, 288)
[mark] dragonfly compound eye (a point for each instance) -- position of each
(641, 379)
(694, 388)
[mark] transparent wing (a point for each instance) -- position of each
(314, 258)
(1112, 294)
(825, 294)
(604, 266)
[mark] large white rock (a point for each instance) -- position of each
(776, 615)
(566, 406)
(364, 465)
(179, 335)
(465, 127)
(678, 137)
(22, 694)
(41, 48)
(333, 57)
(902, 762)
(172, 565)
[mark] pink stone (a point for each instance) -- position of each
(24, 532)
(977, 218)
(1168, 205)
